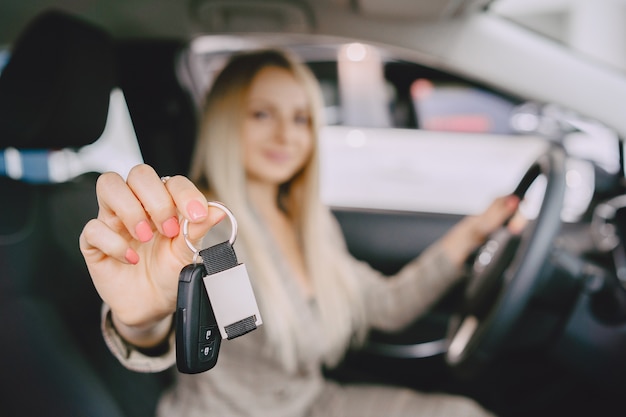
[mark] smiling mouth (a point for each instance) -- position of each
(279, 157)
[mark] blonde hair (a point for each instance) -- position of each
(217, 167)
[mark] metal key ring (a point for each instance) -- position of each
(233, 223)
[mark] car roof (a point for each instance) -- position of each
(455, 36)
(166, 18)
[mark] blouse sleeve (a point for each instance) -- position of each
(393, 302)
(128, 355)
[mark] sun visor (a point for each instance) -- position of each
(249, 16)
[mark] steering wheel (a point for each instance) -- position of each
(506, 272)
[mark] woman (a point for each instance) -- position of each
(257, 153)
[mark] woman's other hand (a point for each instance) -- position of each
(472, 231)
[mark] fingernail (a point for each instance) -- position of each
(143, 230)
(171, 227)
(512, 201)
(196, 210)
(131, 256)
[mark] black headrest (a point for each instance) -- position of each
(54, 91)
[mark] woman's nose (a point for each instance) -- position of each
(284, 130)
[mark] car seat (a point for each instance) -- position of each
(54, 94)
(163, 111)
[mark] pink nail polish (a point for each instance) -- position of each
(512, 201)
(143, 230)
(171, 227)
(131, 256)
(196, 210)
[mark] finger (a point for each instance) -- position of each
(502, 208)
(97, 241)
(496, 215)
(517, 223)
(198, 230)
(510, 204)
(155, 200)
(193, 206)
(121, 209)
(189, 201)
(189, 241)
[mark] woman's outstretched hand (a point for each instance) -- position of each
(135, 248)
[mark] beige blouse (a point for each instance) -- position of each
(248, 382)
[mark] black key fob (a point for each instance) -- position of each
(198, 338)
(201, 326)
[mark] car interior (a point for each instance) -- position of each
(55, 94)
(547, 347)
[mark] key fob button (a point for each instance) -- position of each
(206, 351)
(207, 333)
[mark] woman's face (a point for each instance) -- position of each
(277, 135)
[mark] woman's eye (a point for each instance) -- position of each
(260, 114)
(302, 120)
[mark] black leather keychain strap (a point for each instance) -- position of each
(219, 258)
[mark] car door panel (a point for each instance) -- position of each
(388, 239)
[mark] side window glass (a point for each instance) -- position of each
(428, 99)
(443, 144)
(454, 107)
(326, 73)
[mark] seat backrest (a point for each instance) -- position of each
(54, 94)
(163, 111)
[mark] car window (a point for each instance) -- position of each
(401, 135)
(433, 100)
(455, 107)
(416, 170)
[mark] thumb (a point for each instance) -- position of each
(190, 238)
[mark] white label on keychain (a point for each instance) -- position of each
(234, 305)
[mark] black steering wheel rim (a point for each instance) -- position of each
(473, 342)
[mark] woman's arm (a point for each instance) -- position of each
(396, 301)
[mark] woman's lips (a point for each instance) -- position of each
(277, 156)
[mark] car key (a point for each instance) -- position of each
(197, 337)
(215, 301)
